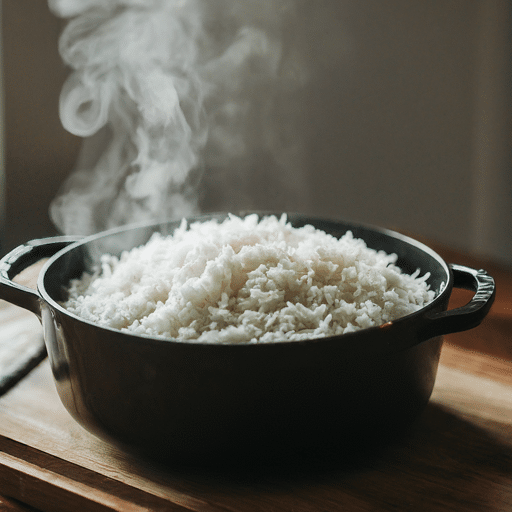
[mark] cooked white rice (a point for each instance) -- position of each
(247, 280)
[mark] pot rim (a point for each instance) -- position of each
(435, 304)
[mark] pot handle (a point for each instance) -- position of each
(468, 316)
(21, 258)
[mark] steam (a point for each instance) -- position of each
(171, 96)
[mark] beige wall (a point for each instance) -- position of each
(39, 152)
(397, 138)
(392, 119)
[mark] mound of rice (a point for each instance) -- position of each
(247, 280)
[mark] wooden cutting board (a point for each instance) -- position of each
(459, 458)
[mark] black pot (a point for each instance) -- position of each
(194, 401)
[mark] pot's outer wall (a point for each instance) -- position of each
(188, 401)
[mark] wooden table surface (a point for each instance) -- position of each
(458, 458)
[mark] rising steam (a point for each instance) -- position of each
(170, 95)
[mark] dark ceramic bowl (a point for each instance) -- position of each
(191, 401)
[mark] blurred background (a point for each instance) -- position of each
(408, 124)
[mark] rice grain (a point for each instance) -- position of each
(247, 280)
